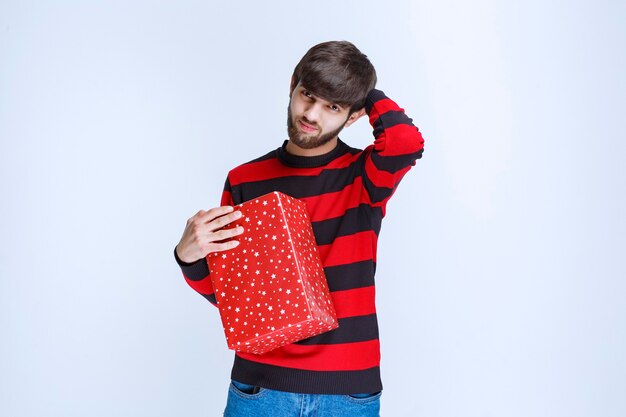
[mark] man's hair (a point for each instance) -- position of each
(338, 72)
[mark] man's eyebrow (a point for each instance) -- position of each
(335, 103)
(322, 98)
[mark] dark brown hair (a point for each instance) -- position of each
(338, 72)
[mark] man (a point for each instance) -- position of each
(346, 191)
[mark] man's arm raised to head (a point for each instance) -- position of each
(398, 143)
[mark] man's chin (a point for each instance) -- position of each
(309, 143)
(304, 141)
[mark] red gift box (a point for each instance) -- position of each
(271, 289)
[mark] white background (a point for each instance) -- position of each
(500, 282)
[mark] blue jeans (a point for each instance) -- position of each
(245, 401)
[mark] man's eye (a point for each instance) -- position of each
(306, 93)
(334, 108)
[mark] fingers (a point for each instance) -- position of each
(217, 217)
(209, 215)
(199, 245)
(223, 234)
(217, 212)
(222, 239)
(219, 222)
(220, 247)
(214, 219)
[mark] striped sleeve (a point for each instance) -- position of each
(397, 145)
(197, 276)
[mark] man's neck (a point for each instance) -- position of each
(294, 149)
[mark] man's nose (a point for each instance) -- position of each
(312, 113)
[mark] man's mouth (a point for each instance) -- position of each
(306, 127)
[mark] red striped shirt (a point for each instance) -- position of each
(346, 192)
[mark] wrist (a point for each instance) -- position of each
(372, 97)
(183, 261)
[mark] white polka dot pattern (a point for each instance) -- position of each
(271, 289)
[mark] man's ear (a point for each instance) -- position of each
(292, 85)
(355, 116)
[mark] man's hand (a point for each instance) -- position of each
(205, 229)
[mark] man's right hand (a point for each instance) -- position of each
(205, 229)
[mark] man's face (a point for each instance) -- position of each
(313, 121)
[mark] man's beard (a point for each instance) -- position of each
(307, 141)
